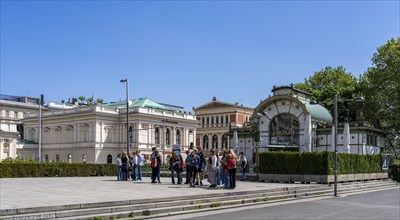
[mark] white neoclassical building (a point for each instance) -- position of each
(97, 133)
(12, 110)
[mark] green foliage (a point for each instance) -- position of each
(324, 84)
(99, 100)
(380, 86)
(33, 169)
(131, 215)
(317, 163)
(81, 98)
(395, 170)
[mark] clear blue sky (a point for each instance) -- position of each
(184, 52)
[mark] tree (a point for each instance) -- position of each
(324, 84)
(380, 86)
(99, 100)
(90, 100)
(81, 98)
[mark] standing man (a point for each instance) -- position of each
(141, 161)
(202, 165)
(243, 165)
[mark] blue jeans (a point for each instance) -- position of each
(225, 175)
(133, 175)
(139, 173)
(119, 172)
(178, 172)
(155, 174)
(243, 173)
(218, 177)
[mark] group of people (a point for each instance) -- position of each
(129, 166)
(221, 167)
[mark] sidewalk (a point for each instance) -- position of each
(42, 192)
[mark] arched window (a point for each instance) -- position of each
(202, 120)
(225, 141)
(215, 142)
(178, 136)
(57, 158)
(167, 137)
(157, 136)
(285, 130)
(222, 119)
(212, 120)
(216, 120)
(226, 119)
(109, 158)
(208, 120)
(205, 142)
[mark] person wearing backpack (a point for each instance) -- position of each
(202, 165)
(194, 166)
(155, 165)
(232, 158)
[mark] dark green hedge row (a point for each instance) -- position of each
(395, 170)
(20, 169)
(317, 163)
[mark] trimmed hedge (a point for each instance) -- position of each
(317, 163)
(32, 169)
(395, 170)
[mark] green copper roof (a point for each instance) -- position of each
(318, 111)
(142, 102)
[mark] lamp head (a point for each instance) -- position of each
(359, 99)
(123, 80)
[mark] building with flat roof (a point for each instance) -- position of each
(97, 133)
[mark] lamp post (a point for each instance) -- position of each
(335, 168)
(127, 113)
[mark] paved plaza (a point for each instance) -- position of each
(41, 192)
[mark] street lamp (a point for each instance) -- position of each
(335, 170)
(127, 113)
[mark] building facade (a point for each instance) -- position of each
(97, 133)
(215, 121)
(12, 110)
(290, 121)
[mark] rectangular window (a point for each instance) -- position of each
(226, 119)
(216, 119)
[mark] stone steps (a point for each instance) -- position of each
(153, 208)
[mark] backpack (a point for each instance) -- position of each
(189, 160)
(153, 162)
(231, 162)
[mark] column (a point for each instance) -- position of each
(210, 141)
(219, 141)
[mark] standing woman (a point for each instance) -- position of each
(232, 158)
(213, 169)
(125, 166)
(225, 173)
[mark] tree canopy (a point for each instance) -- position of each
(324, 84)
(381, 87)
